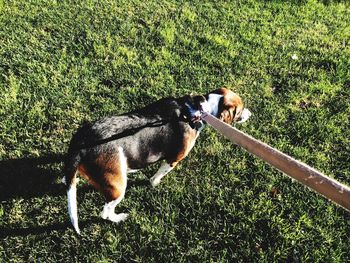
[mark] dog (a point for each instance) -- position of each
(105, 151)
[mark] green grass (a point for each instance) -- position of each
(63, 62)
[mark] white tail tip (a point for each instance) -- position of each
(72, 206)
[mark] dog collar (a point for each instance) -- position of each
(194, 117)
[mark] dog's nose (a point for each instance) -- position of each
(244, 116)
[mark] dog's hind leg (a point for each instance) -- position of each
(109, 213)
(114, 186)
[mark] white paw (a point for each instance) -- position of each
(117, 218)
(154, 182)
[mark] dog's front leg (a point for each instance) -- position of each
(162, 171)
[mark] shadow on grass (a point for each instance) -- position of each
(29, 177)
(35, 177)
(13, 231)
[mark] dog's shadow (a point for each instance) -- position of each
(30, 177)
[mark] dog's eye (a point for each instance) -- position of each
(238, 113)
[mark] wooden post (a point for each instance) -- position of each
(302, 172)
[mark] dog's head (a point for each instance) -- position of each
(227, 106)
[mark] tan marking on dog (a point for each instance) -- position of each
(231, 107)
(84, 172)
(105, 175)
(187, 145)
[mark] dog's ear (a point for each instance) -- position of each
(230, 110)
(230, 105)
(228, 114)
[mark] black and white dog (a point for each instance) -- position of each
(106, 150)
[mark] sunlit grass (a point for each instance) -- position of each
(64, 62)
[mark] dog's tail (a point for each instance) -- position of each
(71, 167)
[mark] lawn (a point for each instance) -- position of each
(65, 62)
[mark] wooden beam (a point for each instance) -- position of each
(302, 172)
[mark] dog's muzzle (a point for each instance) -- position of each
(244, 116)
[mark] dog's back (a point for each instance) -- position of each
(146, 129)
